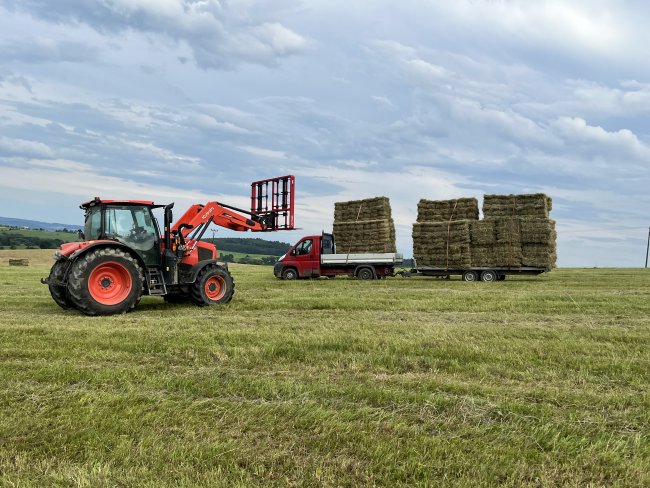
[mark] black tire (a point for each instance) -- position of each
(213, 286)
(366, 274)
(501, 277)
(488, 276)
(105, 281)
(59, 292)
(289, 274)
(470, 276)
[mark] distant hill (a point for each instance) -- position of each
(249, 245)
(37, 224)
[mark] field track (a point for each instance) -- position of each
(540, 381)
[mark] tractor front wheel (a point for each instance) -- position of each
(106, 281)
(57, 290)
(213, 286)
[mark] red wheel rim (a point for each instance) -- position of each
(110, 283)
(215, 288)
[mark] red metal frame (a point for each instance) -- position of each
(277, 200)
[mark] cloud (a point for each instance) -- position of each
(14, 146)
(41, 50)
(622, 143)
(220, 34)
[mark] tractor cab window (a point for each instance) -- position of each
(93, 224)
(135, 227)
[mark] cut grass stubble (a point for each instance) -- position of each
(539, 381)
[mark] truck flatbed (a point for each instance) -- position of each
(389, 258)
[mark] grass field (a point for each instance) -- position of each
(528, 382)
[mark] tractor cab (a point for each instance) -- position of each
(130, 222)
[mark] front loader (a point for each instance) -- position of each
(124, 255)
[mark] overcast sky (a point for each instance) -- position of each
(191, 100)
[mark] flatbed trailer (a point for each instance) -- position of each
(479, 273)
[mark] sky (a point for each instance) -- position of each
(189, 101)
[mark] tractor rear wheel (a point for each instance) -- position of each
(214, 285)
(57, 290)
(106, 281)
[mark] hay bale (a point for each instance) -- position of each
(539, 255)
(442, 244)
(537, 231)
(365, 236)
(367, 209)
(445, 210)
(482, 232)
(19, 262)
(527, 205)
(451, 256)
(455, 231)
(497, 255)
(507, 230)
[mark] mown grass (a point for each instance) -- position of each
(528, 382)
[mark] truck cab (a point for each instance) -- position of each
(303, 259)
(315, 256)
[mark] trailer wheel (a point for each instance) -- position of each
(106, 281)
(470, 276)
(289, 274)
(213, 286)
(501, 277)
(366, 274)
(489, 276)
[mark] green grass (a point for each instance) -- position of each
(540, 381)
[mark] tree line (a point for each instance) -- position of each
(250, 245)
(15, 241)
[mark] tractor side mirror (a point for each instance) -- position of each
(81, 235)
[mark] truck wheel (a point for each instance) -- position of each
(489, 276)
(365, 274)
(105, 282)
(213, 286)
(59, 292)
(289, 274)
(470, 276)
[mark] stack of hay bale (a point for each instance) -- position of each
(516, 231)
(525, 234)
(364, 226)
(441, 235)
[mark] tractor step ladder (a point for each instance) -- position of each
(156, 282)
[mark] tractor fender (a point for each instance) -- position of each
(198, 267)
(100, 244)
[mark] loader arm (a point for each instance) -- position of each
(272, 209)
(219, 214)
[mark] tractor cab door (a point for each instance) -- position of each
(134, 226)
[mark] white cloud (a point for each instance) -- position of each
(24, 146)
(264, 152)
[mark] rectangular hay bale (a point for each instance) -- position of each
(445, 210)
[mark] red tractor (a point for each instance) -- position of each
(124, 255)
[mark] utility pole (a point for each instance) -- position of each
(647, 249)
